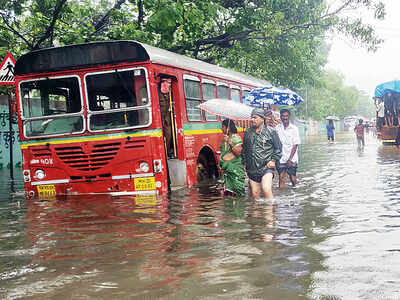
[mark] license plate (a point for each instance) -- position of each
(146, 200)
(144, 183)
(46, 191)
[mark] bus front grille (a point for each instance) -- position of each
(90, 159)
(135, 144)
(42, 151)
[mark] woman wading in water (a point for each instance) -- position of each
(231, 161)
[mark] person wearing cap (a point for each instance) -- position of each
(261, 149)
(289, 135)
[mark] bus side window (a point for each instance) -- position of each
(209, 92)
(235, 94)
(193, 98)
(222, 90)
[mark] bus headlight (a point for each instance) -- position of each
(27, 175)
(144, 167)
(40, 174)
(157, 166)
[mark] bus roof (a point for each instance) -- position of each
(106, 52)
(162, 56)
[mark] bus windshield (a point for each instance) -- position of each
(118, 99)
(51, 106)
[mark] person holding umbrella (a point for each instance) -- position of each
(261, 149)
(231, 161)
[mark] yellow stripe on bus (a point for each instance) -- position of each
(120, 136)
(208, 131)
(97, 138)
(202, 131)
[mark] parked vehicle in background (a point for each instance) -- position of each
(389, 94)
(350, 122)
(119, 117)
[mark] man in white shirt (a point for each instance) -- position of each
(290, 139)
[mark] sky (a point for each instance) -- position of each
(365, 70)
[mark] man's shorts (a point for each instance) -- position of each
(282, 167)
(259, 178)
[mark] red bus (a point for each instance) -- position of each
(118, 117)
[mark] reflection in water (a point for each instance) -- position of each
(333, 236)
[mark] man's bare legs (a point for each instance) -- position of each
(265, 186)
(282, 179)
(255, 188)
(293, 179)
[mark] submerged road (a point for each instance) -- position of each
(334, 236)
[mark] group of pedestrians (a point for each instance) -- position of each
(359, 130)
(264, 149)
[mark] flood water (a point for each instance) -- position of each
(335, 236)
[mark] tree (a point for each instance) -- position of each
(274, 39)
(331, 96)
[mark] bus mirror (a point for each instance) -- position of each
(165, 85)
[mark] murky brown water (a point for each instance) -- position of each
(335, 236)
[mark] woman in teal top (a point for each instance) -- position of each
(231, 161)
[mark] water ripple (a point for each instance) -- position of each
(334, 236)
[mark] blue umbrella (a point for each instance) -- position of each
(387, 87)
(265, 96)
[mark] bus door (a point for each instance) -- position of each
(176, 167)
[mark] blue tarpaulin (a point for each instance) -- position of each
(387, 87)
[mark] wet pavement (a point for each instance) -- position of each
(334, 236)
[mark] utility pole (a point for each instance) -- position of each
(10, 126)
(306, 102)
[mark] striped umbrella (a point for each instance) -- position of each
(227, 108)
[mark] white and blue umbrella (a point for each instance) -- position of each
(271, 95)
(334, 118)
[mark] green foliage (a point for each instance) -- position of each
(279, 40)
(330, 96)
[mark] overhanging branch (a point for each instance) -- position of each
(16, 32)
(50, 28)
(225, 40)
(105, 19)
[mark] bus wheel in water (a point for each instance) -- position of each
(202, 168)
